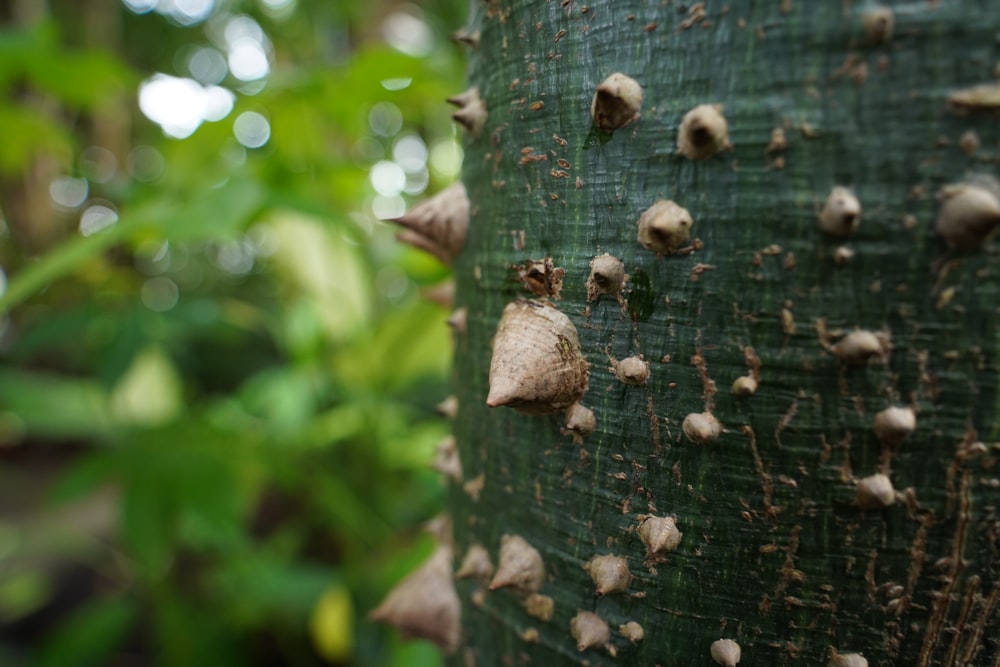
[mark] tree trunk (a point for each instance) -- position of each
(852, 129)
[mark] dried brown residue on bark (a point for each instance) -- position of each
(787, 575)
(983, 613)
(654, 425)
(959, 503)
(846, 475)
(918, 556)
(541, 277)
(709, 388)
(786, 420)
(766, 482)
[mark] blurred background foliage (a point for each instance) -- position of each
(217, 376)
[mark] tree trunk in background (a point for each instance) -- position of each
(776, 552)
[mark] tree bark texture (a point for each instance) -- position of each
(777, 553)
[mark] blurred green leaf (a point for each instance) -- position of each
(257, 586)
(192, 634)
(284, 397)
(188, 484)
(148, 529)
(90, 635)
(84, 476)
(28, 133)
(81, 79)
(52, 406)
(415, 338)
(328, 267)
(335, 425)
(22, 593)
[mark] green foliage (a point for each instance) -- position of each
(215, 412)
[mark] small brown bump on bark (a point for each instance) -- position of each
(537, 366)
(894, 424)
(703, 132)
(659, 534)
(846, 660)
(726, 652)
(540, 606)
(982, 98)
(701, 427)
(425, 604)
(616, 102)
(607, 275)
(744, 386)
(632, 370)
(520, 566)
(446, 459)
(878, 24)
(458, 321)
(610, 574)
(632, 631)
(858, 347)
(875, 492)
(841, 213)
(448, 408)
(471, 112)
(466, 37)
(969, 142)
(969, 213)
(438, 225)
(475, 565)
(665, 227)
(579, 422)
(842, 255)
(589, 630)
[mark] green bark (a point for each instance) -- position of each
(776, 554)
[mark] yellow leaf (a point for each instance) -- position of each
(149, 394)
(332, 624)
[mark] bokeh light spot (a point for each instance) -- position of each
(388, 178)
(408, 34)
(251, 129)
(218, 103)
(67, 192)
(278, 9)
(140, 6)
(392, 282)
(175, 104)
(410, 153)
(207, 65)
(417, 182)
(387, 208)
(385, 119)
(243, 27)
(153, 257)
(236, 257)
(247, 60)
(159, 294)
(401, 83)
(145, 163)
(188, 11)
(95, 218)
(98, 164)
